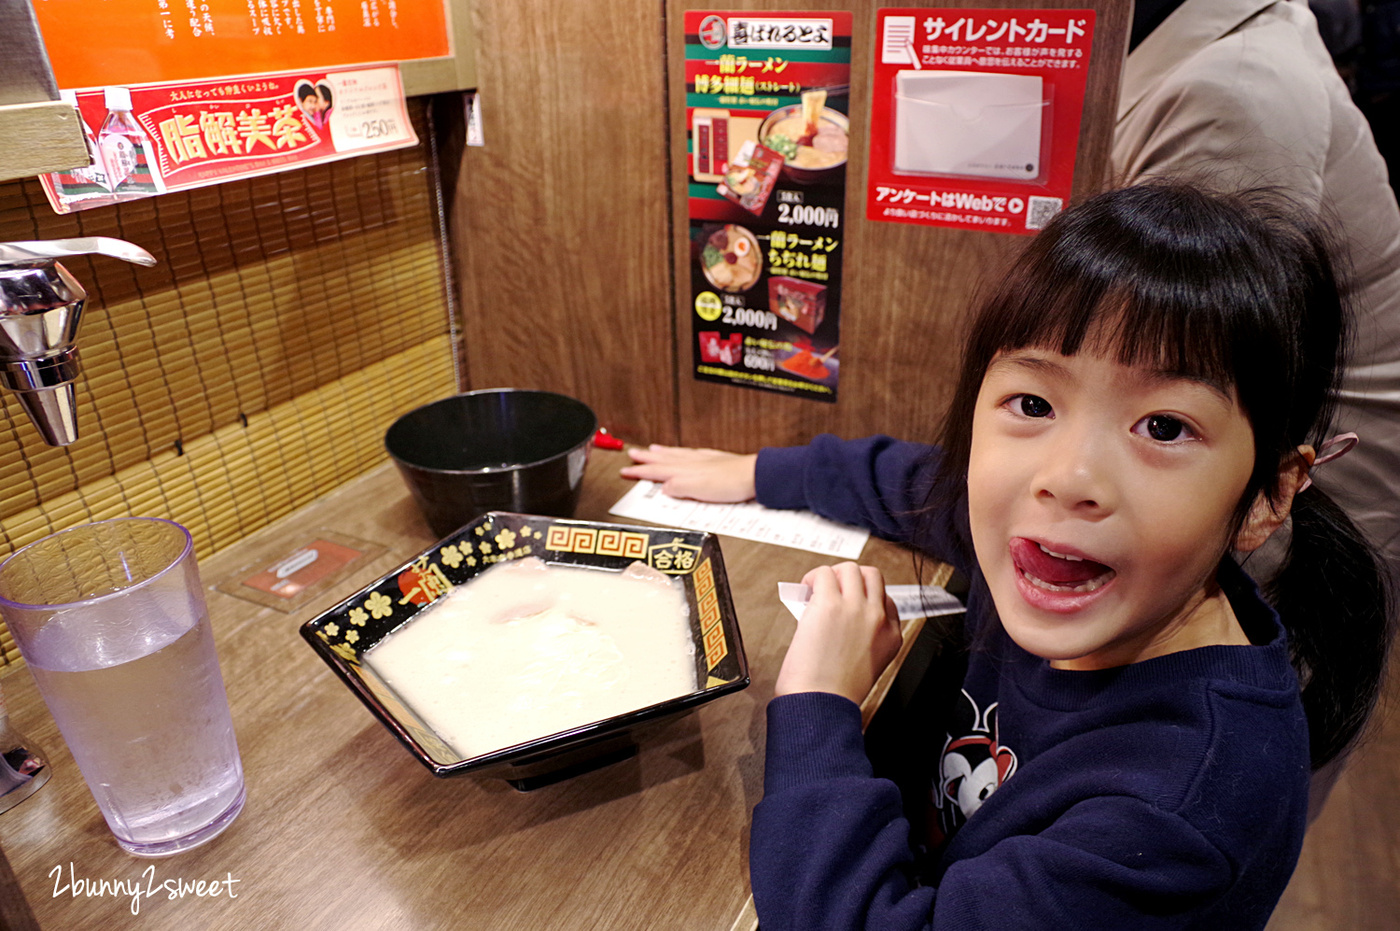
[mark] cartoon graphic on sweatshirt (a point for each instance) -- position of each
(971, 767)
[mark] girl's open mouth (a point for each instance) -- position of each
(1058, 573)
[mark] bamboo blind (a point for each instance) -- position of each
(288, 321)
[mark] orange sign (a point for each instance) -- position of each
(124, 42)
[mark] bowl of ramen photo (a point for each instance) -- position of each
(536, 648)
(730, 258)
(812, 138)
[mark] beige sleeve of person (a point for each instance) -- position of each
(1248, 110)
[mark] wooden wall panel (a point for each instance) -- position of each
(906, 287)
(561, 220)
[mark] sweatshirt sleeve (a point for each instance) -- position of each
(829, 846)
(829, 850)
(878, 483)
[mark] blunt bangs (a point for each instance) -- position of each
(1226, 290)
(1162, 289)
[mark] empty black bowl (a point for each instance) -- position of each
(501, 449)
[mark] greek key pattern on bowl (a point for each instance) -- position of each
(565, 539)
(707, 603)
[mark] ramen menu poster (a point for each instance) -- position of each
(767, 123)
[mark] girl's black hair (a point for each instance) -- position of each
(1240, 291)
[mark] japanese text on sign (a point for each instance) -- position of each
(768, 32)
(141, 42)
(968, 29)
(212, 134)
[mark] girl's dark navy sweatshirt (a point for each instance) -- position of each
(1170, 793)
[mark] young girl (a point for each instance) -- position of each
(1142, 395)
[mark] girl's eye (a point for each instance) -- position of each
(1163, 428)
(1033, 406)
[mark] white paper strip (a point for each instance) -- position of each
(799, 529)
(911, 600)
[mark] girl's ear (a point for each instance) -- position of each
(1264, 518)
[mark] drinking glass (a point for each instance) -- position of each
(110, 619)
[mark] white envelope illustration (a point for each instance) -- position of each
(979, 123)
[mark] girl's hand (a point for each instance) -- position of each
(847, 636)
(702, 474)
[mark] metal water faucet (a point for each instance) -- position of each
(40, 306)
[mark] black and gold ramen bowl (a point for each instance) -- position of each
(344, 634)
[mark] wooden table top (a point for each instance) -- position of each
(343, 829)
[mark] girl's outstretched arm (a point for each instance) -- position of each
(702, 474)
(878, 483)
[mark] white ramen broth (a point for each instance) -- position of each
(526, 650)
(827, 147)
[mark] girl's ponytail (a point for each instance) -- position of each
(1333, 595)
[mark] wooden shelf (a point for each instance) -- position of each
(40, 137)
(438, 75)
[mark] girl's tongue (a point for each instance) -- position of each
(1031, 559)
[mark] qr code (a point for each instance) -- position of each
(1040, 210)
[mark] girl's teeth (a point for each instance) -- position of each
(1089, 586)
(1060, 555)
